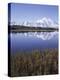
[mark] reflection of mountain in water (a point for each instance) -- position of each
(42, 35)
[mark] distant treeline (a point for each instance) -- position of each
(18, 28)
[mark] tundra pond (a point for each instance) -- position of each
(34, 53)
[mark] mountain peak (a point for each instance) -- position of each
(44, 22)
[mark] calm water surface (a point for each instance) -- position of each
(33, 40)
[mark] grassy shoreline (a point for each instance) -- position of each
(34, 63)
(15, 31)
(20, 28)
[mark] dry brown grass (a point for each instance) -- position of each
(35, 63)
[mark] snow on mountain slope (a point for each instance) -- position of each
(44, 22)
(47, 22)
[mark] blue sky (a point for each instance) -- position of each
(32, 12)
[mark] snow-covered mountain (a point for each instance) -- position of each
(44, 22)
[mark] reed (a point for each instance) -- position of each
(36, 62)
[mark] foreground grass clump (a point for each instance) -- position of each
(35, 63)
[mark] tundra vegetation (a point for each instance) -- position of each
(36, 62)
(21, 28)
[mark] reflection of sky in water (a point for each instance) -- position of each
(33, 40)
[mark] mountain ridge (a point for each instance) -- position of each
(44, 22)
